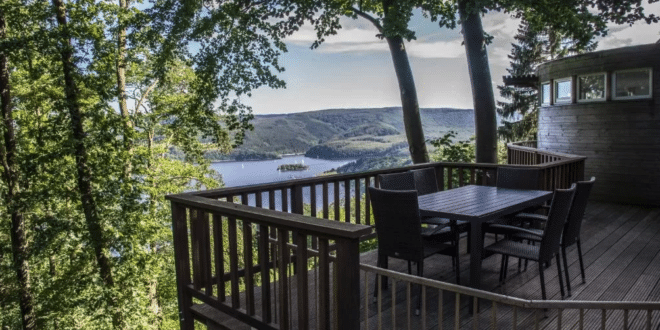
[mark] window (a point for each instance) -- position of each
(563, 90)
(545, 93)
(632, 84)
(591, 87)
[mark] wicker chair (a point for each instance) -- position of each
(549, 238)
(571, 234)
(400, 234)
(515, 178)
(518, 178)
(424, 182)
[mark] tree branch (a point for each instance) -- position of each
(368, 17)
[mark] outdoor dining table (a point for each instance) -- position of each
(478, 204)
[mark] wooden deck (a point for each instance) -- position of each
(621, 250)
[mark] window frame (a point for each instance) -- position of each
(554, 96)
(549, 83)
(634, 97)
(602, 99)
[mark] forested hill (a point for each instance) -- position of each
(341, 133)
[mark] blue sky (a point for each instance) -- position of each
(354, 70)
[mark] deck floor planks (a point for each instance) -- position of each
(529, 286)
(600, 261)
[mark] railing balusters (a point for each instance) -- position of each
(218, 243)
(581, 319)
(367, 200)
(358, 196)
(324, 284)
(393, 287)
(326, 202)
(603, 318)
(441, 316)
(475, 314)
(282, 238)
(336, 191)
(648, 319)
(457, 312)
(493, 324)
(182, 265)
(347, 200)
(248, 262)
(233, 263)
(423, 306)
(408, 305)
(625, 319)
(302, 289)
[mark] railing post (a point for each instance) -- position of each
(182, 265)
(348, 284)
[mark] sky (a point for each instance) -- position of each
(354, 69)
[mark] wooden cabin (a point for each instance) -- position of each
(606, 106)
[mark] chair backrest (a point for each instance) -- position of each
(397, 181)
(425, 181)
(559, 209)
(574, 222)
(398, 225)
(518, 178)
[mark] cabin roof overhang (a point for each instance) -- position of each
(530, 81)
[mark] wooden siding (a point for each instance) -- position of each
(620, 138)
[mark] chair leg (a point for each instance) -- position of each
(420, 273)
(502, 270)
(506, 268)
(568, 277)
(579, 247)
(560, 276)
(458, 269)
(542, 280)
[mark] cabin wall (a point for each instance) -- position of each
(620, 138)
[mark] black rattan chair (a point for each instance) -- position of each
(397, 181)
(424, 182)
(571, 234)
(518, 178)
(549, 238)
(399, 230)
(515, 178)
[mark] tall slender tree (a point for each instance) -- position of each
(15, 209)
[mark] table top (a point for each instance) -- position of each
(480, 202)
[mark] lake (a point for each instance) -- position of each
(245, 173)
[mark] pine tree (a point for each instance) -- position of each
(520, 112)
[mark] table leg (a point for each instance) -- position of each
(476, 250)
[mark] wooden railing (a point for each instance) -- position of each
(293, 226)
(215, 244)
(496, 311)
(558, 170)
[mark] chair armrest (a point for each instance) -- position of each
(506, 229)
(531, 217)
(435, 221)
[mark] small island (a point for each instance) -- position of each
(292, 167)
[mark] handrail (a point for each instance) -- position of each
(510, 300)
(335, 177)
(515, 146)
(288, 221)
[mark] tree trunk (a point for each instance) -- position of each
(411, 117)
(121, 82)
(97, 239)
(19, 244)
(485, 121)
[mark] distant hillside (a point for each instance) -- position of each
(343, 133)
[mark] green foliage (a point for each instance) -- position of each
(449, 151)
(179, 100)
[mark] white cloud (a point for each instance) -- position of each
(436, 49)
(638, 34)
